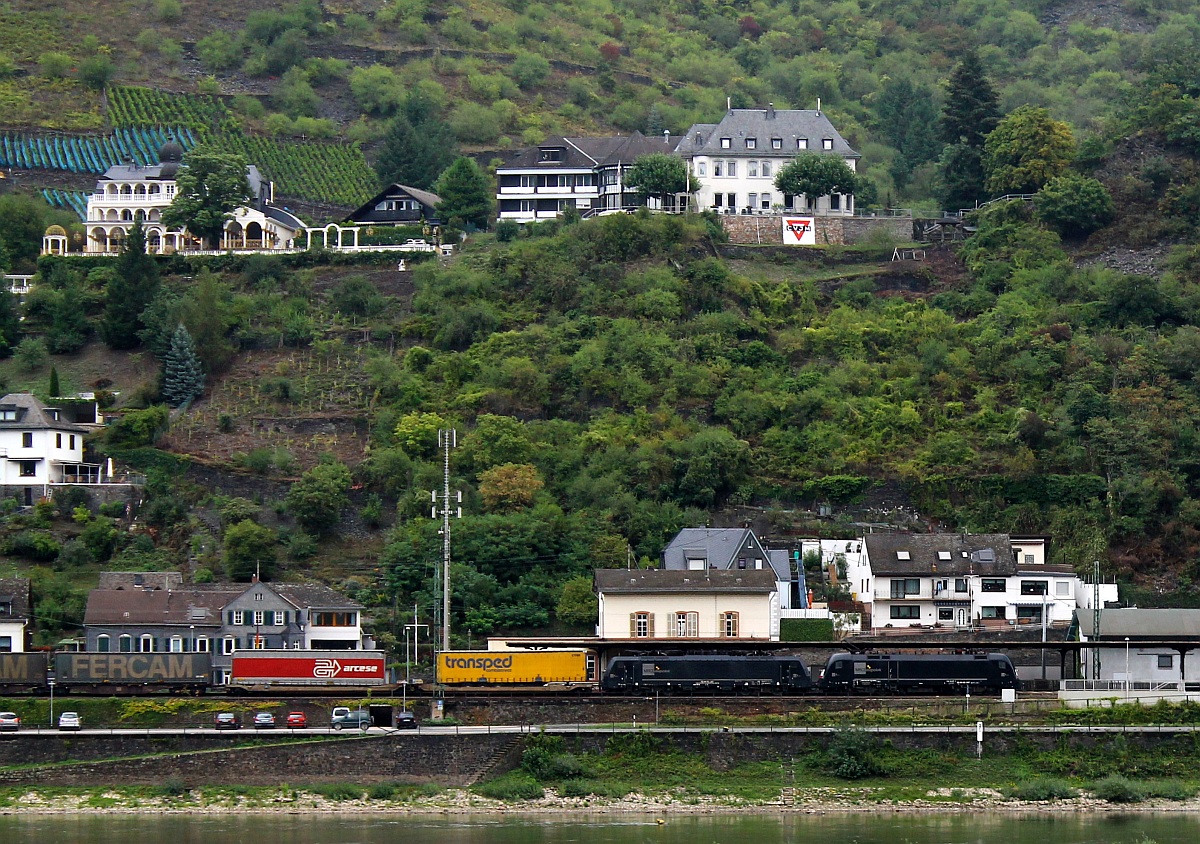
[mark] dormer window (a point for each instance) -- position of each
(903, 555)
(776, 143)
(550, 154)
(827, 143)
(801, 143)
(8, 414)
(751, 143)
(943, 555)
(726, 143)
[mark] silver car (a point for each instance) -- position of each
(70, 721)
(9, 721)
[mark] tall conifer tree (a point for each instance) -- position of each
(129, 293)
(183, 376)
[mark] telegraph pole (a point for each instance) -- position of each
(447, 439)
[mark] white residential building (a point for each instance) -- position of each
(128, 193)
(707, 604)
(735, 162)
(42, 445)
(15, 612)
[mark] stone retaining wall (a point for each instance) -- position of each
(767, 229)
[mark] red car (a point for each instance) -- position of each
(297, 720)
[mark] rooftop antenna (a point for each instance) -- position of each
(729, 103)
(818, 105)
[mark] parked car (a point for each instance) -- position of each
(405, 720)
(344, 717)
(9, 722)
(418, 246)
(297, 720)
(70, 721)
(264, 721)
(228, 721)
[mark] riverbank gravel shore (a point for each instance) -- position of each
(462, 802)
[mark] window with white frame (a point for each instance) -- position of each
(960, 584)
(277, 620)
(701, 168)
(176, 644)
(125, 643)
(202, 645)
(827, 143)
(903, 587)
(641, 625)
(753, 200)
(729, 625)
(752, 168)
(147, 644)
(726, 143)
(1062, 589)
(687, 624)
(239, 617)
(802, 143)
(906, 611)
(258, 596)
(765, 199)
(732, 168)
(776, 143)
(228, 644)
(751, 143)
(259, 618)
(103, 643)
(766, 169)
(718, 168)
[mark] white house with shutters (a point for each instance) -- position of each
(735, 162)
(707, 604)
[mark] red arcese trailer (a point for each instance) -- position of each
(254, 668)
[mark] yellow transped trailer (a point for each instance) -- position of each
(514, 667)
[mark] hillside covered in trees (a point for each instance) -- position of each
(411, 80)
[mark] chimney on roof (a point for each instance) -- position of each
(818, 106)
(770, 111)
(666, 136)
(729, 103)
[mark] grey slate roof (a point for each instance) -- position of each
(763, 125)
(429, 200)
(14, 592)
(588, 153)
(32, 415)
(645, 581)
(989, 555)
(721, 547)
(166, 600)
(1143, 623)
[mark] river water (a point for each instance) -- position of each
(960, 828)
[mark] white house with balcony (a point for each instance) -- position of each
(966, 580)
(41, 446)
(131, 192)
(735, 162)
(703, 604)
(538, 183)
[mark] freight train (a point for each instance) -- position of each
(361, 672)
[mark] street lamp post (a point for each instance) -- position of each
(51, 682)
(1126, 666)
(192, 638)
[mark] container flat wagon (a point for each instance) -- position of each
(515, 668)
(119, 673)
(21, 673)
(270, 670)
(848, 674)
(717, 674)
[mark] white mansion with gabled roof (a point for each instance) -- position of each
(131, 192)
(736, 161)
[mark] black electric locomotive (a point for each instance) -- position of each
(847, 674)
(783, 675)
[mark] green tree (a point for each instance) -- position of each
(529, 70)
(961, 176)
(10, 323)
(55, 388)
(972, 109)
(69, 326)
(129, 292)
(577, 604)
(207, 311)
(907, 118)
(249, 550)
(1074, 204)
(1026, 150)
(658, 174)
(183, 376)
(417, 433)
(97, 71)
(466, 194)
(814, 175)
(209, 188)
(416, 154)
(509, 487)
(23, 221)
(316, 500)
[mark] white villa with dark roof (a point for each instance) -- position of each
(131, 192)
(735, 162)
(42, 445)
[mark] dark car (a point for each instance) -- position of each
(359, 718)
(406, 721)
(228, 721)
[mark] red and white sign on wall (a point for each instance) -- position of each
(799, 231)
